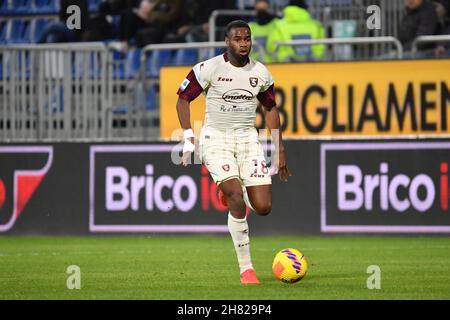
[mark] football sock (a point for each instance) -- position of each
(246, 199)
(239, 233)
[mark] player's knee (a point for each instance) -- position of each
(264, 208)
(234, 196)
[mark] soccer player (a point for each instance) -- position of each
(228, 143)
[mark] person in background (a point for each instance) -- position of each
(131, 21)
(261, 28)
(296, 23)
(443, 49)
(147, 23)
(420, 19)
(162, 20)
(59, 32)
(194, 26)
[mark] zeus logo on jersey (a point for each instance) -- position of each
(22, 169)
(224, 79)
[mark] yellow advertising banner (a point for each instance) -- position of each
(342, 99)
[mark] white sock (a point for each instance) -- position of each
(239, 233)
(246, 199)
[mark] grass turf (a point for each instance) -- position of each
(205, 267)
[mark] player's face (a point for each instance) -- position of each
(239, 41)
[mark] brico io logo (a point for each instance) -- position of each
(385, 187)
(125, 191)
(22, 169)
(357, 190)
(138, 188)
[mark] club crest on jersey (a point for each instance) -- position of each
(226, 167)
(253, 81)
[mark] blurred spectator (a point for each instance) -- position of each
(147, 24)
(296, 24)
(163, 19)
(59, 32)
(193, 25)
(443, 49)
(261, 28)
(442, 15)
(446, 5)
(115, 7)
(420, 19)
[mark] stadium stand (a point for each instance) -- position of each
(22, 23)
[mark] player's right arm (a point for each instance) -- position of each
(190, 88)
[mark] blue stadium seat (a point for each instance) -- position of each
(37, 27)
(132, 63)
(20, 6)
(19, 32)
(118, 65)
(186, 57)
(93, 5)
(3, 7)
(151, 98)
(156, 60)
(45, 6)
(3, 29)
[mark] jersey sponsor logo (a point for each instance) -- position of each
(237, 95)
(224, 79)
(184, 84)
(235, 109)
(253, 81)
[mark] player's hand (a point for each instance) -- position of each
(188, 147)
(283, 171)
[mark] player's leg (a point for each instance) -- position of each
(255, 175)
(218, 158)
(232, 190)
(238, 228)
(260, 197)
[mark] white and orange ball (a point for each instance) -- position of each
(289, 265)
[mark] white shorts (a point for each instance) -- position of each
(228, 156)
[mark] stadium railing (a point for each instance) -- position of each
(341, 41)
(152, 58)
(65, 92)
(331, 11)
(225, 13)
(427, 39)
(54, 92)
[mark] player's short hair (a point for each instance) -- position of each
(236, 24)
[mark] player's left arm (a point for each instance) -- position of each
(272, 117)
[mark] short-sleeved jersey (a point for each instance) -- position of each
(231, 92)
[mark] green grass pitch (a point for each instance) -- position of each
(205, 267)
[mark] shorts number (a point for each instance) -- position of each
(264, 168)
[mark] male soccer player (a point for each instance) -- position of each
(228, 143)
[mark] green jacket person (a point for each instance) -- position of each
(261, 28)
(296, 24)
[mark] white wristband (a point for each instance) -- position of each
(188, 146)
(188, 133)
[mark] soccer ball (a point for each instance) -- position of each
(289, 265)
